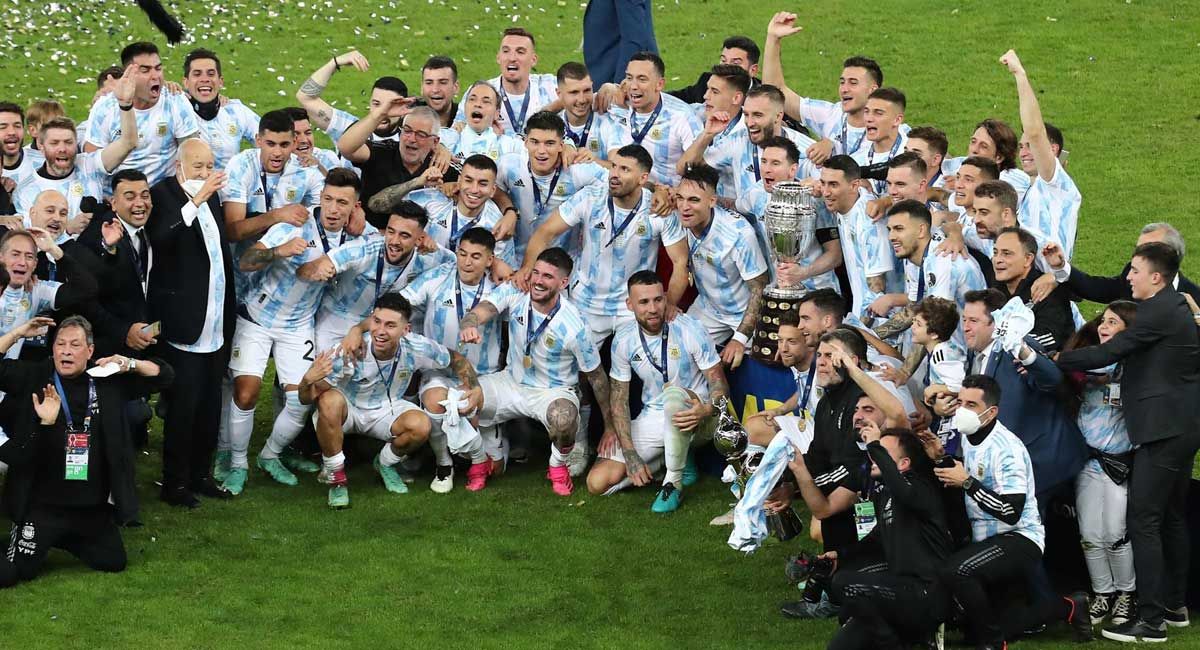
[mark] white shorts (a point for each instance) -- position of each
(647, 432)
(717, 331)
(602, 326)
(375, 423)
(331, 330)
(431, 379)
(504, 399)
(253, 344)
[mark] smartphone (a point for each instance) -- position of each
(153, 329)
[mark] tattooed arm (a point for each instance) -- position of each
(319, 111)
(877, 283)
(468, 328)
(600, 390)
(463, 369)
(736, 347)
(384, 199)
(619, 406)
(718, 386)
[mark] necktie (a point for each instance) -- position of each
(143, 249)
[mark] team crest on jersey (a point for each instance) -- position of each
(930, 279)
(641, 229)
(560, 191)
(232, 129)
(674, 352)
(162, 129)
(25, 304)
(290, 197)
(77, 189)
(656, 133)
(549, 341)
(709, 259)
(979, 470)
(594, 145)
(237, 352)
(28, 531)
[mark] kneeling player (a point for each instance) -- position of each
(367, 397)
(680, 371)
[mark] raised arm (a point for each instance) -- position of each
(116, 151)
(320, 113)
(782, 25)
(1031, 118)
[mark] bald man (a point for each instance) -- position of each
(191, 294)
(49, 212)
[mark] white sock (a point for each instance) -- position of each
(558, 457)
(581, 432)
(621, 485)
(331, 463)
(241, 426)
(675, 442)
(223, 425)
(288, 425)
(387, 457)
(493, 443)
(437, 440)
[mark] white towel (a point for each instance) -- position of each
(460, 435)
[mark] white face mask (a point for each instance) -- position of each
(967, 421)
(192, 186)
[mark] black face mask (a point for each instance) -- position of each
(206, 110)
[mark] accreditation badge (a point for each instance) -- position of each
(78, 446)
(864, 518)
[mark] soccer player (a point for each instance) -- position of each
(521, 93)
(681, 376)
(813, 267)
(334, 121)
(223, 127)
(620, 237)
(722, 115)
(18, 163)
(865, 251)
(387, 163)
(367, 397)
(445, 295)
(727, 266)
(659, 123)
(163, 119)
(364, 269)
(307, 152)
(930, 144)
(439, 87)
(586, 129)
(449, 217)
(276, 318)
(73, 174)
(842, 125)
(884, 116)
(475, 134)
(548, 348)
(1051, 204)
(794, 415)
(536, 181)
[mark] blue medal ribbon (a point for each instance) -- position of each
(612, 218)
(580, 139)
(321, 232)
(387, 383)
(806, 388)
(640, 134)
(539, 205)
(517, 121)
(458, 301)
(532, 335)
(846, 145)
(650, 357)
(455, 232)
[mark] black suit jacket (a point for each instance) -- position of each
(20, 379)
(122, 302)
(1105, 290)
(1161, 361)
(181, 273)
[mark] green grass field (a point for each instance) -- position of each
(516, 566)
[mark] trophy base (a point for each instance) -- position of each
(785, 525)
(776, 302)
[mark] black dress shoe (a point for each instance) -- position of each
(181, 497)
(1136, 631)
(207, 487)
(1080, 618)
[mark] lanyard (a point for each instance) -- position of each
(850, 151)
(612, 218)
(379, 271)
(732, 125)
(700, 239)
(455, 232)
(51, 268)
(321, 232)
(458, 301)
(530, 334)
(266, 192)
(538, 205)
(580, 139)
(650, 357)
(517, 121)
(806, 388)
(387, 383)
(891, 154)
(640, 134)
(921, 273)
(91, 407)
(754, 160)
(935, 177)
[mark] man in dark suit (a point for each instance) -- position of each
(1107, 289)
(1013, 257)
(613, 31)
(70, 460)
(1160, 388)
(191, 293)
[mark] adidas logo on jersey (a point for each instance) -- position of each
(637, 357)
(600, 226)
(519, 183)
(520, 320)
(448, 302)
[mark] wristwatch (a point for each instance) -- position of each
(968, 483)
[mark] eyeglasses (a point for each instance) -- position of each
(420, 135)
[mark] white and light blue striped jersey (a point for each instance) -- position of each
(1014, 176)
(753, 201)
(341, 120)
(364, 274)
(558, 354)
(26, 166)
(689, 352)
(372, 383)
(829, 121)
(597, 134)
(21, 304)
(542, 91)
(942, 276)
(666, 135)
(1102, 423)
(1053, 207)
(722, 259)
(489, 143)
(1001, 464)
(516, 179)
(276, 297)
(447, 222)
(738, 160)
(234, 124)
(616, 245)
(159, 129)
(89, 178)
(442, 301)
(330, 160)
(867, 155)
(866, 253)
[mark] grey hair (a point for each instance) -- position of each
(1171, 236)
(427, 113)
(80, 322)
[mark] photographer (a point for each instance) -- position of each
(904, 603)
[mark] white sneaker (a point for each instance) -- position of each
(442, 485)
(724, 520)
(577, 461)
